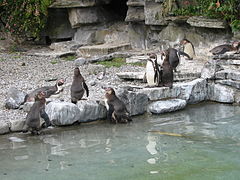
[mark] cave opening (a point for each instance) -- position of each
(118, 8)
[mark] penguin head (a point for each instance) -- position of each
(235, 44)
(152, 56)
(109, 91)
(76, 71)
(60, 82)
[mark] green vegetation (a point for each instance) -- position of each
(69, 58)
(54, 61)
(24, 18)
(228, 10)
(118, 62)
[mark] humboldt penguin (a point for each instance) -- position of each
(49, 91)
(78, 86)
(174, 56)
(167, 70)
(37, 111)
(153, 69)
(116, 109)
(188, 48)
(221, 49)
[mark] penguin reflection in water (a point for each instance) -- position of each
(117, 111)
(78, 87)
(37, 111)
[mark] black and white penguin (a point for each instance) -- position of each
(37, 111)
(53, 91)
(221, 49)
(116, 109)
(188, 48)
(78, 87)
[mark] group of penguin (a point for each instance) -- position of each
(116, 109)
(159, 72)
(159, 69)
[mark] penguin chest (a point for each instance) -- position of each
(150, 74)
(188, 49)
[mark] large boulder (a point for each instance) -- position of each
(17, 125)
(14, 98)
(135, 102)
(164, 106)
(4, 127)
(62, 113)
(220, 93)
(90, 111)
(209, 69)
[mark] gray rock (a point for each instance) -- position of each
(158, 93)
(220, 93)
(14, 98)
(65, 46)
(198, 21)
(94, 69)
(90, 111)
(135, 14)
(131, 75)
(135, 102)
(62, 113)
(80, 61)
(4, 127)
(79, 3)
(154, 14)
(92, 82)
(17, 125)
(235, 84)
(164, 106)
(194, 91)
(209, 69)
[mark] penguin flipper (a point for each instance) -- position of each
(184, 54)
(86, 88)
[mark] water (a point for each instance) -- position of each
(200, 142)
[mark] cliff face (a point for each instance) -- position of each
(145, 24)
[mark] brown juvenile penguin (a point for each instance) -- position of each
(49, 91)
(36, 112)
(78, 86)
(188, 48)
(117, 111)
(167, 70)
(221, 49)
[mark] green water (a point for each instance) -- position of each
(204, 144)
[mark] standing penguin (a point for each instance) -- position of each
(167, 70)
(117, 111)
(188, 48)
(49, 91)
(174, 56)
(221, 49)
(78, 86)
(36, 112)
(153, 70)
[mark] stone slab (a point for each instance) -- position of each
(198, 21)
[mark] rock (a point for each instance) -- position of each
(92, 82)
(79, 3)
(220, 93)
(65, 46)
(137, 35)
(194, 91)
(62, 113)
(135, 102)
(131, 75)
(200, 21)
(235, 84)
(14, 98)
(209, 69)
(80, 61)
(228, 74)
(158, 93)
(164, 106)
(137, 59)
(135, 14)
(90, 111)
(85, 36)
(154, 13)
(94, 69)
(4, 127)
(17, 125)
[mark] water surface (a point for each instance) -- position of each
(200, 142)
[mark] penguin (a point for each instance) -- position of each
(116, 109)
(221, 49)
(153, 69)
(37, 111)
(78, 86)
(167, 70)
(55, 90)
(174, 56)
(188, 48)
